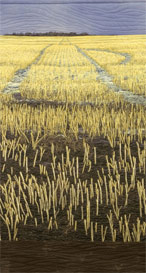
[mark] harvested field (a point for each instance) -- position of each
(73, 141)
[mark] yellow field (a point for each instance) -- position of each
(73, 152)
(131, 76)
(18, 53)
(63, 68)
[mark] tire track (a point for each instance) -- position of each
(20, 75)
(126, 55)
(107, 79)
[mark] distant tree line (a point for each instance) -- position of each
(51, 33)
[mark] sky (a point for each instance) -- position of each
(98, 17)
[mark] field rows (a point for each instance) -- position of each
(70, 171)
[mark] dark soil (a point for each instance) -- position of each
(66, 232)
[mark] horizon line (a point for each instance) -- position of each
(89, 34)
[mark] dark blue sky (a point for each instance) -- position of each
(95, 17)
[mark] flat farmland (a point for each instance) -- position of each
(73, 138)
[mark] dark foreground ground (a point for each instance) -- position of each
(69, 257)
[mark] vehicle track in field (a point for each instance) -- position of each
(126, 55)
(13, 86)
(20, 75)
(105, 78)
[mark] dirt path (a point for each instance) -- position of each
(14, 84)
(107, 79)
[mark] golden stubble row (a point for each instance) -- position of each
(125, 124)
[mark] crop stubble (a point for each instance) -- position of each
(71, 171)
